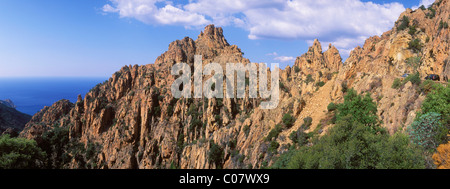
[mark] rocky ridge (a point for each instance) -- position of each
(138, 123)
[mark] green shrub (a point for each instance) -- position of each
(352, 145)
(413, 78)
(170, 107)
(413, 62)
(344, 87)
(218, 119)
(428, 131)
(273, 134)
(427, 86)
(20, 153)
(55, 142)
(415, 45)
(215, 154)
(246, 130)
(443, 24)
(309, 79)
(299, 137)
(296, 69)
(320, 84)
(397, 83)
(331, 107)
(273, 147)
(361, 109)
(432, 14)
(192, 111)
(195, 124)
(404, 23)
(438, 101)
(288, 120)
(307, 122)
(412, 30)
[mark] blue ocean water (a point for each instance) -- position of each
(30, 95)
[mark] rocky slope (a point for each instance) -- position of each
(11, 120)
(138, 124)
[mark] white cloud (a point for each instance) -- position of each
(425, 3)
(272, 54)
(289, 59)
(148, 12)
(344, 23)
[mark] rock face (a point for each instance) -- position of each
(11, 120)
(138, 124)
(46, 119)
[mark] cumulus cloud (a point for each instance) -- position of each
(344, 23)
(148, 12)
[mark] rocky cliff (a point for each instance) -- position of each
(138, 124)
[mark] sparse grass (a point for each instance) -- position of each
(397, 83)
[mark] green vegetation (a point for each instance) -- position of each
(296, 69)
(415, 45)
(413, 78)
(331, 107)
(352, 145)
(246, 130)
(61, 150)
(438, 101)
(428, 131)
(357, 141)
(361, 109)
(170, 107)
(412, 30)
(55, 143)
(288, 120)
(431, 14)
(427, 86)
(213, 87)
(309, 79)
(344, 87)
(20, 153)
(320, 84)
(273, 134)
(443, 24)
(397, 83)
(307, 122)
(299, 137)
(273, 147)
(215, 154)
(195, 124)
(413, 62)
(404, 23)
(422, 7)
(283, 88)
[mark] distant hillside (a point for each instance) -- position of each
(10, 118)
(8, 103)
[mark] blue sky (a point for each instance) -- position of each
(95, 38)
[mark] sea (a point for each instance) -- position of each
(30, 95)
